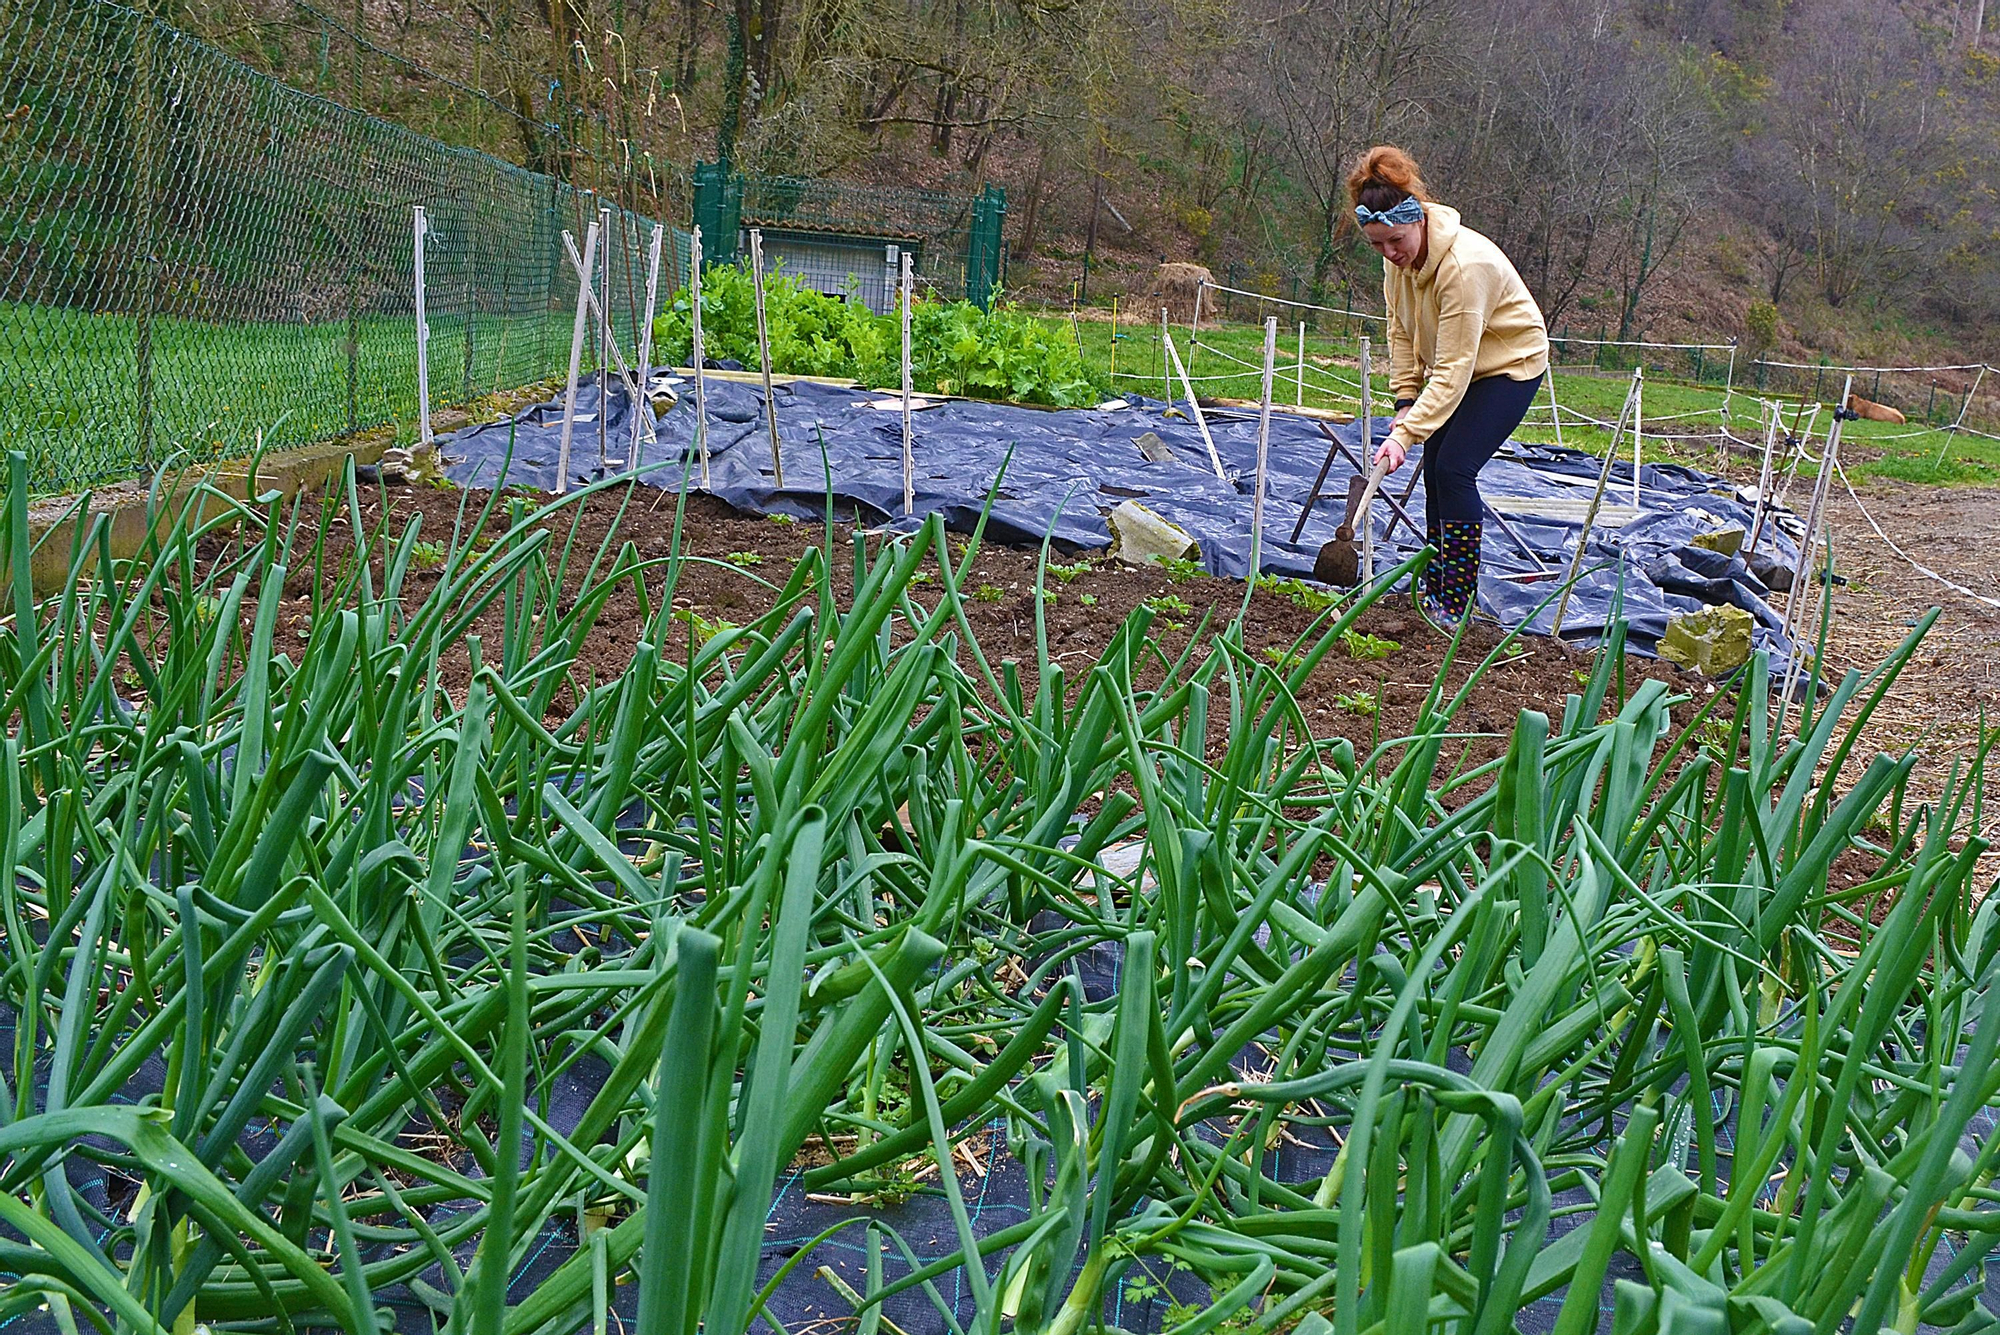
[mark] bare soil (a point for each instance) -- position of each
(742, 559)
(1939, 705)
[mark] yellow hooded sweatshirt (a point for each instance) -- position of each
(1462, 316)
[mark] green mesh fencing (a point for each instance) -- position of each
(955, 239)
(194, 256)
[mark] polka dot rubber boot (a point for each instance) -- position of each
(1451, 582)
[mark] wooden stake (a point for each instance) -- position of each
(764, 352)
(1195, 408)
(642, 407)
(1367, 459)
(1194, 324)
(1263, 446)
(1555, 411)
(1764, 479)
(613, 356)
(1590, 512)
(1794, 602)
(604, 340)
(575, 349)
(1302, 364)
(909, 440)
(700, 394)
(1638, 418)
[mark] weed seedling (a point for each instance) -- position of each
(1365, 647)
(1299, 592)
(704, 629)
(988, 593)
(744, 559)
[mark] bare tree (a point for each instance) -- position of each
(1666, 167)
(1347, 76)
(1861, 125)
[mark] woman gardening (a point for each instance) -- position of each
(1467, 350)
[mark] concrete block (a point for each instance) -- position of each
(1777, 576)
(1140, 537)
(1713, 641)
(1728, 541)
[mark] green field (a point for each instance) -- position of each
(69, 394)
(1227, 362)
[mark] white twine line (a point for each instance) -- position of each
(1638, 343)
(1284, 301)
(1859, 370)
(1577, 416)
(1890, 543)
(1283, 368)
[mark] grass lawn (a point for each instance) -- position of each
(69, 394)
(1228, 365)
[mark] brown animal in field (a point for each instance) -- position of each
(1874, 412)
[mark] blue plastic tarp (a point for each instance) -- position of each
(1065, 470)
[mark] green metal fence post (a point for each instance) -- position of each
(983, 249)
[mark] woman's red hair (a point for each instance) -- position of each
(1383, 176)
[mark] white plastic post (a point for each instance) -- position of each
(909, 439)
(1367, 460)
(1302, 364)
(764, 352)
(575, 349)
(1263, 446)
(1166, 381)
(1195, 407)
(1638, 417)
(604, 346)
(642, 407)
(423, 337)
(696, 353)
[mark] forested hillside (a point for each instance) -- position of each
(1656, 167)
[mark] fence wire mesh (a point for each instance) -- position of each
(195, 256)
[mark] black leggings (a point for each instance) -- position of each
(1453, 456)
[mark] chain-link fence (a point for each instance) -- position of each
(194, 256)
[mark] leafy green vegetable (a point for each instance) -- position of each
(956, 348)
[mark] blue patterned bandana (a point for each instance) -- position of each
(1409, 211)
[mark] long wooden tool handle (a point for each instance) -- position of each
(1375, 476)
